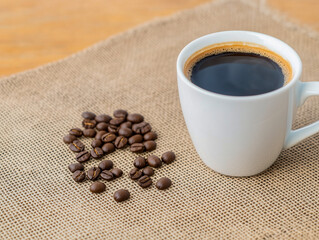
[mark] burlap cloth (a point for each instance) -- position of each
(135, 70)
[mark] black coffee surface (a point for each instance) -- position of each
(237, 74)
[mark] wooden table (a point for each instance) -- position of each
(34, 32)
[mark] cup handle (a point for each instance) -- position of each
(304, 90)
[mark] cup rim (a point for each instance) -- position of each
(296, 75)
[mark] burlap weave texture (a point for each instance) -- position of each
(136, 71)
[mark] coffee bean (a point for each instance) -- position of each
(106, 175)
(137, 147)
(150, 136)
(76, 146)
(97, 153)
(120, 142)
(126, 125)
(96, 143)
(148, 171)
(106, 165)
(76, 132)
(139, 162)
(97, 187)
(108, 137)
(135, 118)
(163, 183)
(94, 173)
(88, 115)
(112, 129)
(78, 176)
(108, 148)
(144, 181)
(168, 157)
(88, 123)
(117, 172)
(102, 126)
(135, 174)
(103, 118)
(117, 121)
(83, 156)
(89, 133)
(99, 135)
(150, 145)
(126, 132)
(154, 161)
(121, 195)
(120, 113)
(69, 138)
(141, 128)
(135, 139)
(75, 166)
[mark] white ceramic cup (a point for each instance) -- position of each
(243, 136)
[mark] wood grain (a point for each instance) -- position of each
(34, 32)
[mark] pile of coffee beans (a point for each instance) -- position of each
(111, 133)
(143, 170)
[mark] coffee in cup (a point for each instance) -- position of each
(237, 69)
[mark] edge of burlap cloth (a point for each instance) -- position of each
(281, 17)
(39, 199)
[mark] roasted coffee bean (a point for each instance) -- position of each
(148, 171)
(83, 156)
(135, 139)
(88, 115)
(126, 125)
(75, 166)
(154, 161)
(120, 113)
(163, 183)
(113, 129)
(102, 126)
(78, 176)
(117, 172)
(120, 142)
(99, 135)
(137, 147)
(168, 157)
(103, 118)
(97, 187)
(126, 132)
(139, 162)
(144, 181)
(89, 133)
(76, 146)
(94, 173)
(135, 118)
(150, 145)
(96, 143)
(121, 195)
(97, 153)
(135, 174)
(150, 136)
(69, 138)
(108, 137)
(117, 121)
(106, 175)
(87, 123)
(106, 165)
(76, 132)
(108, 148)
(141, 128)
